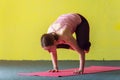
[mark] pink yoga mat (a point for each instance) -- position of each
(69, 72)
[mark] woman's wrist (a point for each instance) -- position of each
(56, 68)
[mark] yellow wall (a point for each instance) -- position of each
(23, 21)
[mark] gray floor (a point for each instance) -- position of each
(9, 70)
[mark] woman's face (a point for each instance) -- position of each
(50, 48)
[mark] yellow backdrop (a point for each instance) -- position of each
(22, 22)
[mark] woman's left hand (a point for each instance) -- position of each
(78, 72)
(53, 70)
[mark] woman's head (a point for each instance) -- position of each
(48, 39)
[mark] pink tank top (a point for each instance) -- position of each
(69, 20)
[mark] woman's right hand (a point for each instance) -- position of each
(53, 70)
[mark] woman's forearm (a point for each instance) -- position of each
(54, 60)
(82, 62)
(75, 46)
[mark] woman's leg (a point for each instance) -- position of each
(82, 34)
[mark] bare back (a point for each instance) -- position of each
(65, 26)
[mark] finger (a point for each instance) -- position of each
(49, 71)
(77, 72)
(52, 70)
(55, 70)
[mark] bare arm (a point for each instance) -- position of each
(73, 43)
(54, 61)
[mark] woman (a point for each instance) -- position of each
(60, 35)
